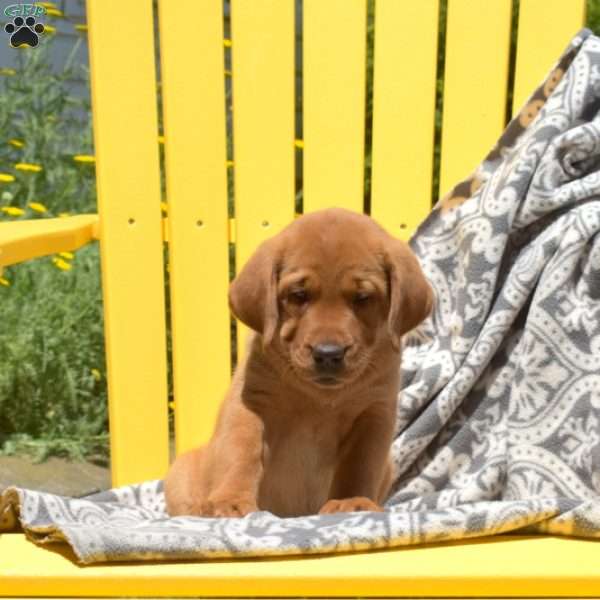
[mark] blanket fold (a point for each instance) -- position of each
(498, 421)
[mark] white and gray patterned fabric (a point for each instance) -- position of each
(499, 420)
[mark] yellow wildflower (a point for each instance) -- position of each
(28, 167)
(5, 282)
(38, 207)
(67, 255)
(227, 43)
(172, 405)
(16, 143)
(13, 211)
(49, 29)
(7, 71)
(61, 264)
(164, 207)
(96, 374)
(63, 215)
(299, 143)
(161, 139)
(84, 158)
(6, 177)
(229, 163)
(54, 12)
(81, 27)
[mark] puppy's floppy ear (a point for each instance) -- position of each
(253, 293)
(411, 296)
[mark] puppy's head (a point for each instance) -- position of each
(329, 292)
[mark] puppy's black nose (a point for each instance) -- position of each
(328, 357)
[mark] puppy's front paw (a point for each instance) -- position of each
(349, 505)
(233, 506)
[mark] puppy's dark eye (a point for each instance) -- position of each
(361, 298)
(298, 297)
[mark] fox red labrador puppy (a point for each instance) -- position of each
(307, 424)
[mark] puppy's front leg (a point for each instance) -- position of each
(236, 463)
(363, 475)
(222, 478)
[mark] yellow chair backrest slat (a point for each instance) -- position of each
(193, 94)
(127, 171)
(334, 70)
(545, 28)
(263, 122)
(475, 84)
(264, 109)
(404, 92)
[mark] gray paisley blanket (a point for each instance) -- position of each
(499, 418)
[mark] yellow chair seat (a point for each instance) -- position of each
(509, 566)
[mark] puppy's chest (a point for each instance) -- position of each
(299, 462)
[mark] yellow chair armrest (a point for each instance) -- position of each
(24, 240)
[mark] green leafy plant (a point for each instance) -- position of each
(52, 382)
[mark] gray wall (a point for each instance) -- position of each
(66, 37)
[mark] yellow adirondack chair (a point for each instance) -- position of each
(132, 236)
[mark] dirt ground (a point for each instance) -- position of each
(56, 475)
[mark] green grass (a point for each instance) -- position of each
(593, 16)
(52, 383)
(52, 372)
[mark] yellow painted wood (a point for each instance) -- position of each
(195, 157)
(334, 50)
(545, 29)
(127, 174)
(23, 240)
(475, 84)
(404, 88)
(506, 566)
(263, 122)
